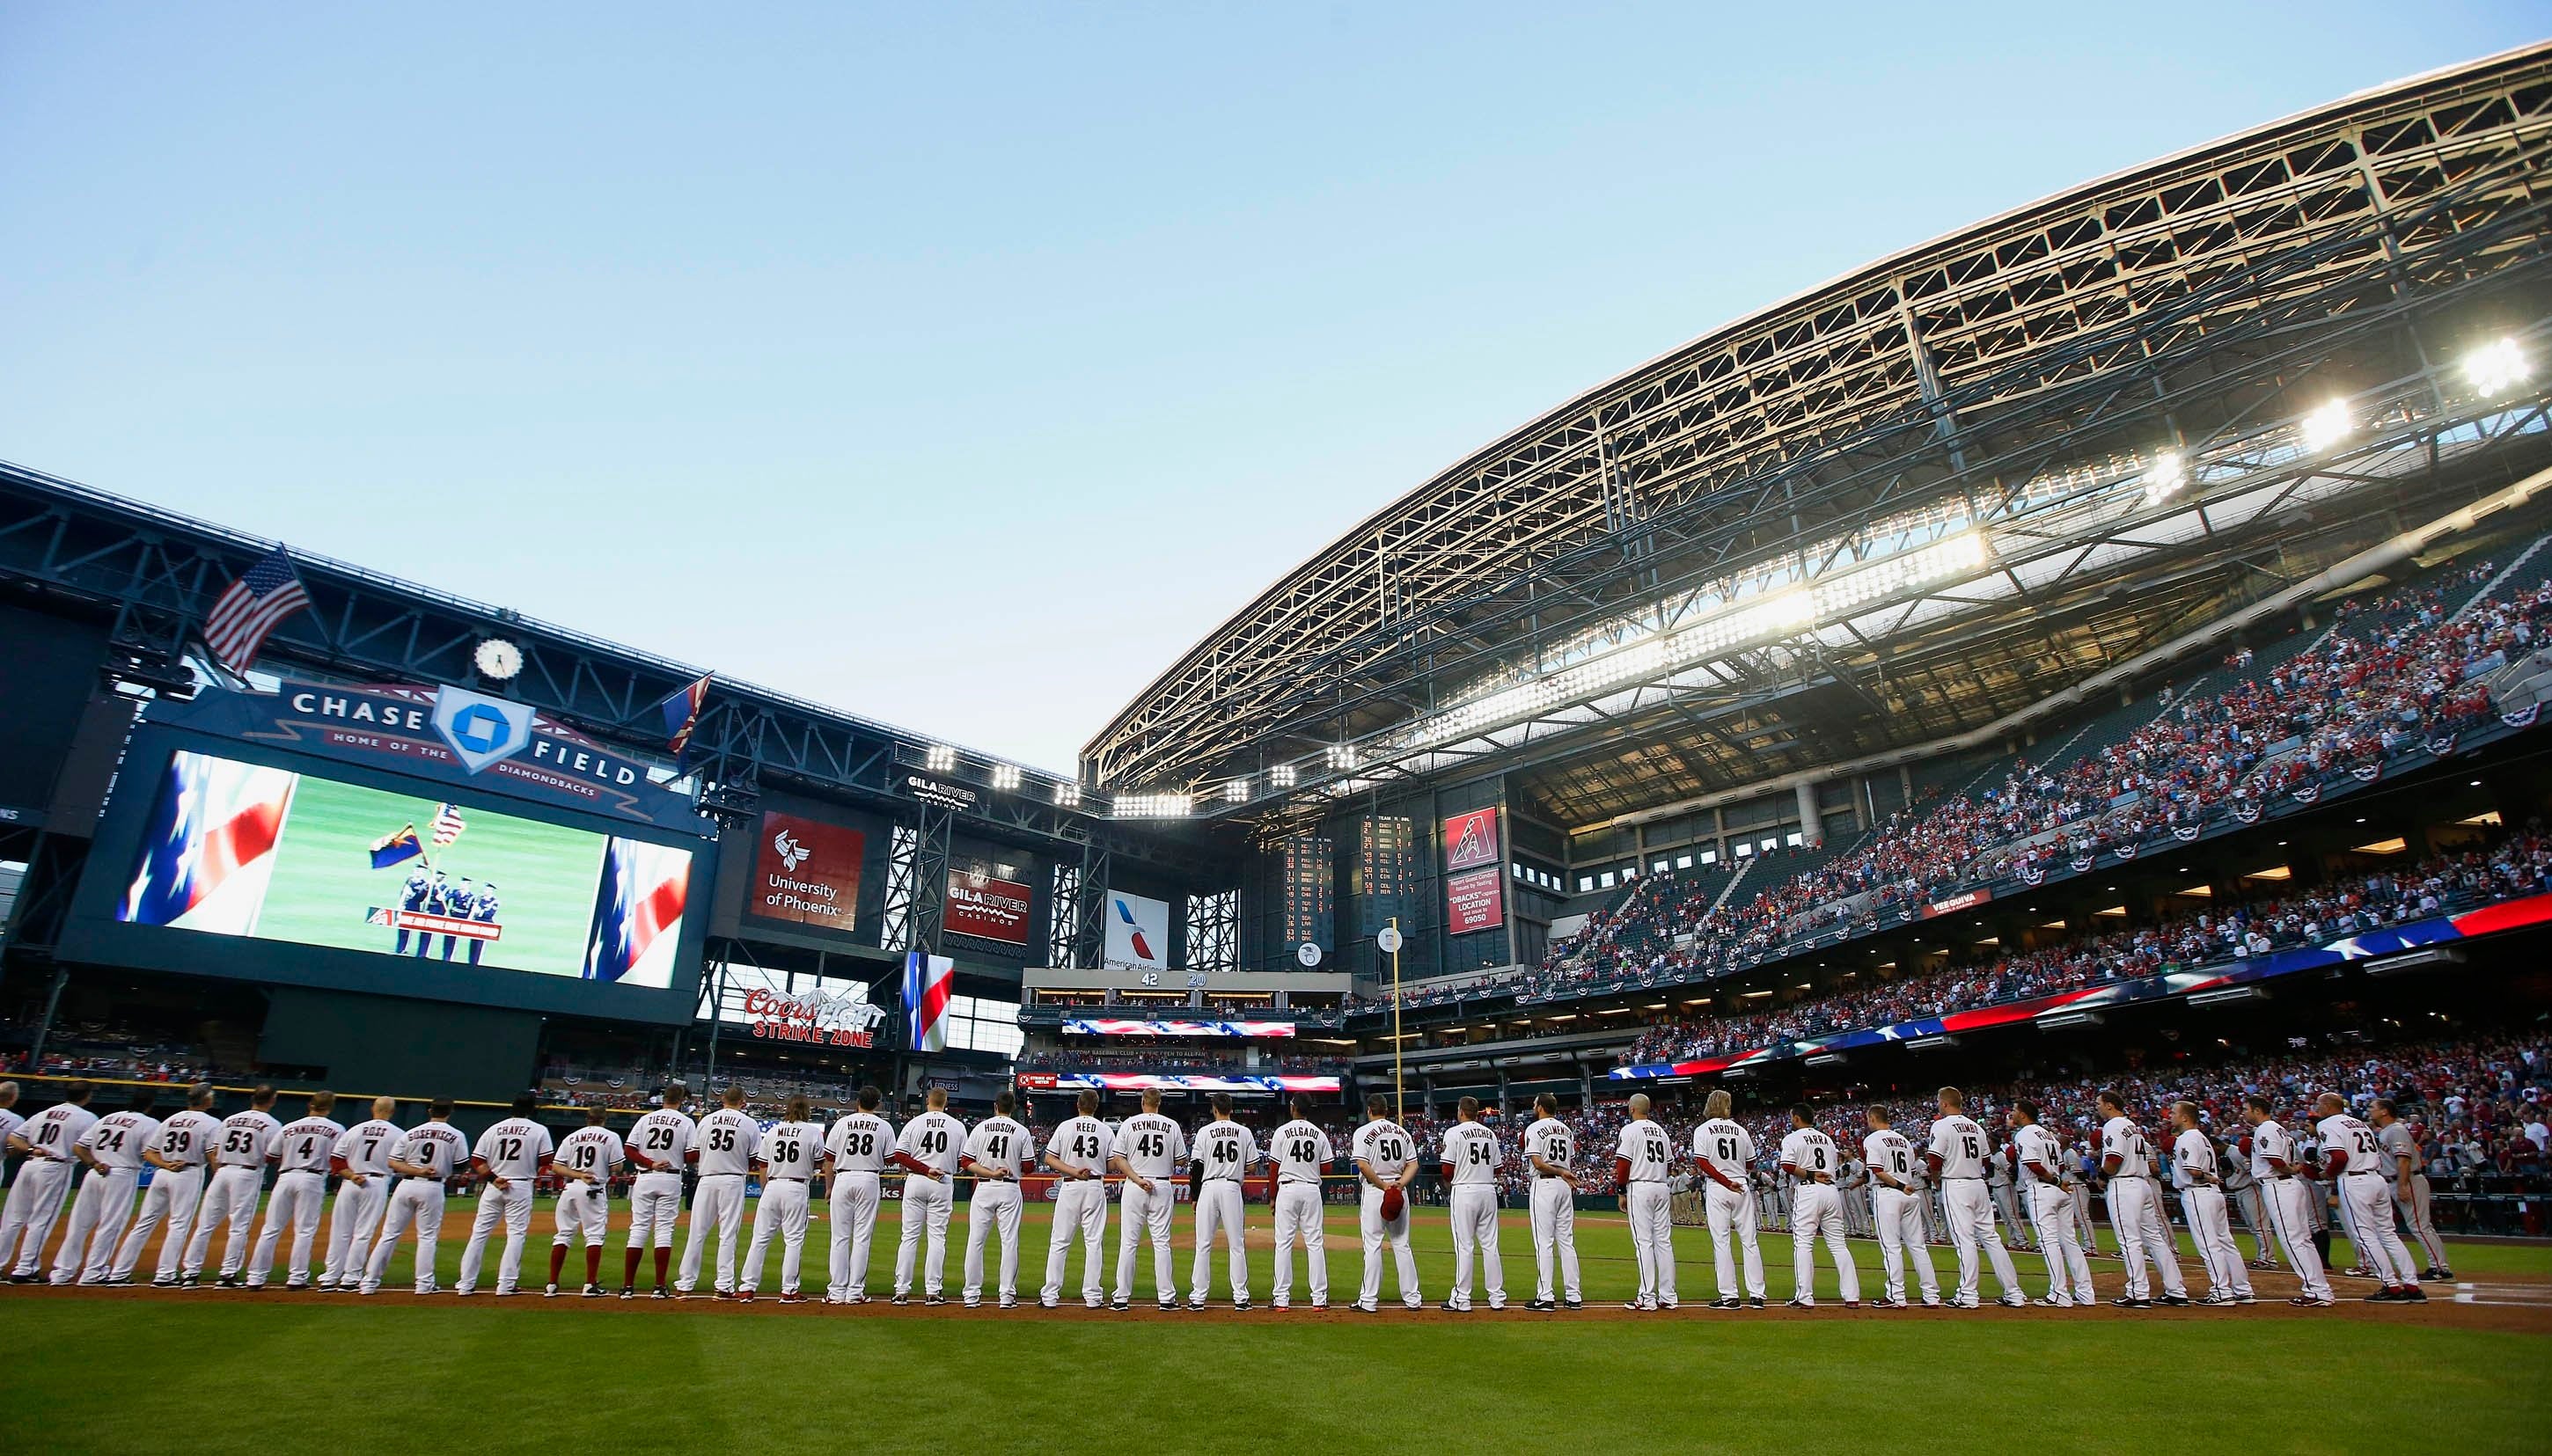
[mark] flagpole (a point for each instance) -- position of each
(1399, 1090)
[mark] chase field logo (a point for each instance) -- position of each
(792, 853)
(481, 730)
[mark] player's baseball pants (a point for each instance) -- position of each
(2211, 1227)
(717, 1204)
(34, 1200)
(2051, 1208)
(2255, 1216)
(352, 1222)
(99, 1212)
(655, 1206)
(1219, 1211)
(854, 1229)
(2367, 1197)
(417, 1201)
(296, 1201)
(927, 1202)
(230, 1201)
(1972, 1227)
(1298, 1219)
(1377, 1233)
(995, 1208)
(1141, 1211)
(1900, 1238)
(2080, 1195)
(1731, 1212)
(2136, 1217)
(2290, 1204)
(1474, 1207)
(1652, 1217)
(171, 1200)
(1079, 1206)
(2419, 1214)
(512, 1206)
(582, 1210)
(1816, 1210)
(1555, 1232)
(2007, 1208)
(783, 1211)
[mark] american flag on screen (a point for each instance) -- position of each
(447, 824)
(212, 831)
(638, 914)
(254, 606)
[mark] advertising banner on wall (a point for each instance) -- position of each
(1475, 900)
(986, 907)
(807, 871)
(1138, 932)
(1472, 840)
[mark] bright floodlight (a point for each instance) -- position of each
(1343, 756)
(940, 759)
(2498, 366)
(2168, 473)
(1067, 795)
(1236, 791)
(1006, 775)
(1282, 776)
(2327, 426)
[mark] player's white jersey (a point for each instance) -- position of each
(1226, 1149)
(514, 1148)
(591, 1150)
(2345, 1135)
(366, 1147)
(1550, 1140)
(1081, 1144)
(118, 1138)
(728, 1141)
(1959, 1145)
(2234, 1168)
(664, 1137)
(1726, 1146)
(998, 1142)
(2124, 1141)
(247, 1137)
(9, 1122)
(2036, 1148)
(1887, 1151)
(934, 1139)
(57, 1129)
(2271, 1143)
(860, 1143)
(2192, 1160)
(435, 1145)
(186, 1138)
(1472, 1150)
(1384, 1148)
(1152, 1145)
(1644, 1146)
(1808, 1153)
(306, 1144)
(1299, 1150)
(792, 1149)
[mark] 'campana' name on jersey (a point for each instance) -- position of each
(408, 717)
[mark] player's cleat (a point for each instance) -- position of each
(1572, 1304)
(1168, 1305)
(629, 1291)
(1240, 1303)
(933, 1301)
(1728, 1301)
(1195, 1304)
(1882, 1303)
(900, 1298)
(1641, 1305)
(741, 1296)
(1851, 1304)
(1665, 1304)
(592, 1291)
(549, 1292)
(973, 1304)
(2245, 1296)
(226, 1282)
(1320, 1303)
(2307, 1301)
(2014, 1301)
(2261, 1264)
(1449, 1308)
(1046, 1303)
(2358, 1271)
(2130, 1302)
(1119, 1306)
(1360, 1306)
(2412, 1293)
(116, 1280)
(661, 1292)
(793, 1298)
(1964, 1304)
(1931, 1302)
(462, 1292)
(2384, 1296)
(164, 1281)
(2177, 1302)
(2053, 1301)
(23, 1278)
(1803, 1304)
(1094, 1304)
(1008, 1303)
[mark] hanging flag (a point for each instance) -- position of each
(927, 981)
(2307, 793)
(2185, 832)
(447, 824)
(2247, 812)
(2083, 863)
(254, 606)
(397, 848)
(2367, 773)
(2443, 744)
(2523, 717)
(2127, 851)
(681, 710)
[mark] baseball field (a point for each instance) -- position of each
(274, 1372)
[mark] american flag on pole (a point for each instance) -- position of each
(254, 606)
(447, 824)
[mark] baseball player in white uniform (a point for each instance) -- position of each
(997, 1152)
(1077, 1153)
(1299, 1154)
(792, 1154)
(247, 1144)
(1956, 1155)
(2242, 1192)
(424, 1158)
(1386, 1160)
(1551, 1151)
(361, 1161)
(660, 1144)
(2041, 1165)
(2195, 1171)
(2135, 1208)
(1891, 1158)
(928, 1151)
(1809, 1158)
(510, 1156)
(723, 1151)
(858, 1147)
(1998, 1184)
(51, 1142)
(2355, 1163)
(1724, 1153)
(1470, 1155)
(301, 1195)
(2273, 1160)
(2410, 1200)
(113, 1148)
(1149, 1151)
(585, 1162)
(10, 1122)
(1642, 1164)
(176, 1183)
(1221, 1155)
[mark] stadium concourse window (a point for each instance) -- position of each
(978, 1026)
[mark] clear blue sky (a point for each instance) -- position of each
(962, 367)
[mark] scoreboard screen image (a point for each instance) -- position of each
(264, 852)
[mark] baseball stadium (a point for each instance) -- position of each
(1989, 820)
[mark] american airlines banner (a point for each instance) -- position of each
(1138, 932)
(1164, 1081)
(1080, 1027)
